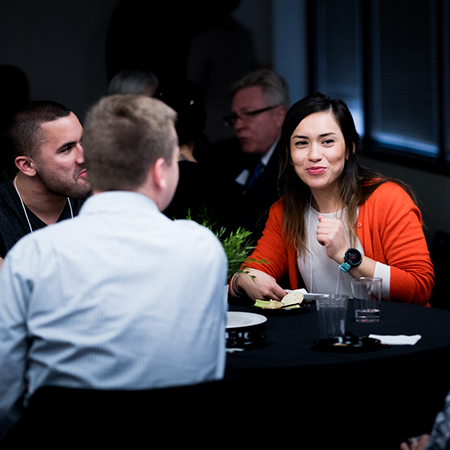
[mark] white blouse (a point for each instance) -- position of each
(322, 274)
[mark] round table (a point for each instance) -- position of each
(361, 400)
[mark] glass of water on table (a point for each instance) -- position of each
(367, 297)
(332, 313)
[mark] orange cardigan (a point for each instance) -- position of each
(390, 230)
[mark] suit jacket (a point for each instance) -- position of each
(237, 205)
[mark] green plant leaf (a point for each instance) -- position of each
(238, 245)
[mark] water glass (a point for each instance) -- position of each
(367, 296)
(332, 313)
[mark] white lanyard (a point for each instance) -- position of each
(25, 211)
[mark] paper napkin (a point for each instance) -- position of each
(400, 339)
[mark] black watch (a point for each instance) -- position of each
(352, 258)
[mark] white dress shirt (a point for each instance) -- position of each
(120, 297)
(242, 178)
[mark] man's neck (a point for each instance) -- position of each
(36, 197)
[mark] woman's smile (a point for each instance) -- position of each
(318, 153)
(316, 170)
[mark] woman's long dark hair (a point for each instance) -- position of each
(356, 182)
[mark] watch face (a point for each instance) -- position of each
(353, 256)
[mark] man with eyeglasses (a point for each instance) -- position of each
(260, 101)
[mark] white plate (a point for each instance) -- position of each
(237, 319)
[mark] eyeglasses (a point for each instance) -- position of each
(230, 120)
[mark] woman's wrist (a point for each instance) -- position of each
(234, 287)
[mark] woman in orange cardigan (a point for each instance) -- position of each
(336, 220)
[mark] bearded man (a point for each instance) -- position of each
(51, 182)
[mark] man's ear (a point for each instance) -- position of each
(25, 165)
(159, 174)
(280, 114)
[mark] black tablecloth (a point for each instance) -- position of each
(359, 400)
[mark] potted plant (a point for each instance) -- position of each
(238, 244)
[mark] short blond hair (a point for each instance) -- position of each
(124, 135)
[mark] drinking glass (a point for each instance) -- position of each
(332, 313)
(367, 296)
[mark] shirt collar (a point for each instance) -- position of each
(113, 201)
(265, 159)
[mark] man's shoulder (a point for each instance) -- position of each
(192, 227)
(8, 198)
(195, 235)
(6, 189)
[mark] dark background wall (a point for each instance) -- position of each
(60, 45)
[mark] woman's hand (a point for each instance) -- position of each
(416, 443)
(330, 233)
(259, 285)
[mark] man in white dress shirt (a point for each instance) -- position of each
(120, 297)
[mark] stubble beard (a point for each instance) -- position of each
(76, 188)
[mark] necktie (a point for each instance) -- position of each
(255, 174)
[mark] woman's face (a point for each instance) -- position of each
(318, 152)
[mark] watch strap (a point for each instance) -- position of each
(345, 267)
